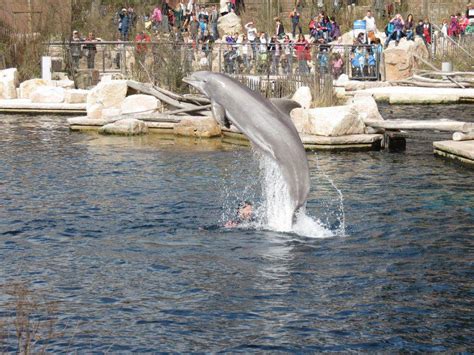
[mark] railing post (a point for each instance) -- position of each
(220, 58)
(124, 59)
(103, 59)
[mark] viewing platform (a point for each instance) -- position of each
(398, 95)
(462, 151)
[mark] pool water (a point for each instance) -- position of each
(124, 235)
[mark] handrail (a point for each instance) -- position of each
(453, 41)
(134, 43)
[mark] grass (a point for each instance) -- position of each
(27, 321)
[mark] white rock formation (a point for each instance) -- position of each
(356, 85)
(423, 98)
(94, 111)
(335, 121)
(65, 83)
(400, 61)
(110, 112)
(140, 104)
(125, 127)
(340, 92)
(342, 80)
(300, 118)
(29, 86)
(8, 83)
(341, 140)
(76, 96)
(205, 127)
(303, 96)
(229, 24)
(109, 94)
(366, 107)
(48, 94)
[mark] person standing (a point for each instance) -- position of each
(213, 18)
(287, 55)
(427, 30)
(302, 54)
(124, 24)
(165, 8)
(141, 46)
(91, 50)
(179, 14)
(156, 19)
(371, 26)
(453, 28)
(274, 48)
(295, 22)
(75, 49)
(133, 17)
(252, 36)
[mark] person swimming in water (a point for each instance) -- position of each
(245, 214)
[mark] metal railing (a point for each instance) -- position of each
(358, 62)
(446, 43)
(444, 46)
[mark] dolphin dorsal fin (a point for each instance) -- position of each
(285, 105)
(218, 111)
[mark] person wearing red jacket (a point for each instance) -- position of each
(303, 54)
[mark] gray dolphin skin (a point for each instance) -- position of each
(267, 126)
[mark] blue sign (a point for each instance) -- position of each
(360, 25)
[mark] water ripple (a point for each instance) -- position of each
(123, 234)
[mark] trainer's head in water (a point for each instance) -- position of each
(245, 214)
(245, 211)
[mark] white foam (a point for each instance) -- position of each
(277, 207)
(308, 226)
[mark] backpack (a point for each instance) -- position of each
(389, 28)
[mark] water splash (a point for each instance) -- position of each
(273, 209)
(342, 216)
(277, 207)
(276, 212)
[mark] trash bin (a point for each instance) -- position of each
(447, 67)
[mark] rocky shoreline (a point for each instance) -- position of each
(124, 107)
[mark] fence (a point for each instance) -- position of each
(444, 47)
(321, 86)
(358, 62)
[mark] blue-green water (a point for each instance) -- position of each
(112, 229)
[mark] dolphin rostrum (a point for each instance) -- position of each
(264, 122)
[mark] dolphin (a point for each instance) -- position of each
(266, 124)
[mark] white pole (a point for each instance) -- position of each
(46, 68)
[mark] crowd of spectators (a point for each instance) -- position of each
(310, 45)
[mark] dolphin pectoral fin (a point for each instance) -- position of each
(285, 105)
(218, 112)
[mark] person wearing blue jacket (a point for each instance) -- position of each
(124, 24)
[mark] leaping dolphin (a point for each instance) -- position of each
(267, 126)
